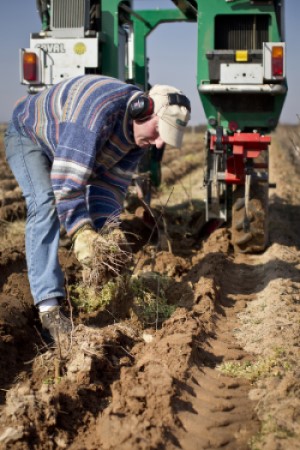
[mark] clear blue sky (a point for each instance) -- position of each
(171, 47)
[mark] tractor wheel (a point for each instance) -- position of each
(250, 233)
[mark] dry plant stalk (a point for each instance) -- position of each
(295, 143)
(189, 197)
(57, 370)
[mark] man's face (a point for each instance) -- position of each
(146, 133)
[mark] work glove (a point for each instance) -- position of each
(83, 244)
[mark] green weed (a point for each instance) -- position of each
(88, 299)
(146, 294)
(150, 303)
(274, 365)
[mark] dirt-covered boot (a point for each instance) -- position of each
(56, 323)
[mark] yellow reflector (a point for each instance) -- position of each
(241, 55)
(277, 51)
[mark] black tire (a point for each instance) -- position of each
(250, 236)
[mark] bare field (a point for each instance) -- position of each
(203, 355)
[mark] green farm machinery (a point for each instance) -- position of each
(240, 79)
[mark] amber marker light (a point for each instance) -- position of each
(30, 66)
(277, 61)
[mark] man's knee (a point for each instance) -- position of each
(42, 203)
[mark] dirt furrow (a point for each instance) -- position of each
(220, 415)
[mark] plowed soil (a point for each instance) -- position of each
(218, 369)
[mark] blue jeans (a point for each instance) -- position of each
(31, 168)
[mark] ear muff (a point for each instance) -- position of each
(141, 107)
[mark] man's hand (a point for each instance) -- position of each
(112, 249)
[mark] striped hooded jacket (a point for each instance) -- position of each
(82, 126)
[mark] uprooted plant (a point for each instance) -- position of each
(113, 285)
(112, 255)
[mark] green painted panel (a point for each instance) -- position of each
(215, 12)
